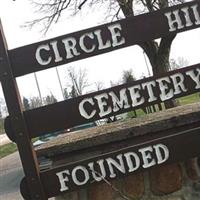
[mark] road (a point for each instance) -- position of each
(4, 139)
(11, 173)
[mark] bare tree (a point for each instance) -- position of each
(52, 10)
(78, 81)
(157, 52)
(66, 94)
(99, 85)
(26, 103)
(35, 102)
(179, 63)
(115, 83)
(127, 76)
(49, 99)
(73, 92)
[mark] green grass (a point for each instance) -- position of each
(7, 149)
(139, 113)
(2, 126)
(190, 99)
(183, 101)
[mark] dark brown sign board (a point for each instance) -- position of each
(112, 165)
(84, 44)
(14, 106)
(112, 101)
(105, 38)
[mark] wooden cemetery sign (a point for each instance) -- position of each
(22, 126)
(111, 101)
(104, 38)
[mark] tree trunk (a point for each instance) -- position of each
(159, 58)
(158, 54)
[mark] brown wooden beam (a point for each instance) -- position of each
(14, 105)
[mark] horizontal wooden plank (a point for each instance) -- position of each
(105, 38)
(15, 110)
(138, 157)
(111, 101)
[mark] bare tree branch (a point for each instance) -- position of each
(78, 80)
(157, 52)
(99, 85)
(51, 10)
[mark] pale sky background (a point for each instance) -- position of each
(105, 68)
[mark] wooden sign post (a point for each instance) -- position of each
(23, 126)
(14, 105)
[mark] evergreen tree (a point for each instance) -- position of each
(26, 103)
(66, 95)
(128, 76)
(73, 92)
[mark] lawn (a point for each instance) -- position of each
(190, 99)
(2, 126)
(7, 149)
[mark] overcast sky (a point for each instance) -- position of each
(105, 68)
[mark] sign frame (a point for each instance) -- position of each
(109, 37)
(14, 105)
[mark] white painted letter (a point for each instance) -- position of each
(161, 147)
(178, 82)
(130, 161)
(196, 14)
(70, 47)
(119, 103)
(58, 58)
(38, 55)
(82, 43)
(163, 88)
(120, 166)
(176, 21)
(187, 17)
(149, 86)
(102, 103)
(147, 157)
(100, 41)
(85, 175)
(101, 175)
(63, 178)
(195, 77)
(83, 111)
(135, 95)
(117, 39)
